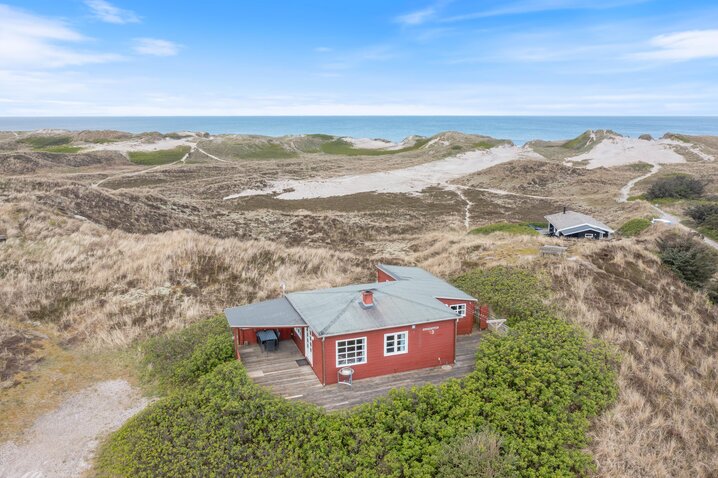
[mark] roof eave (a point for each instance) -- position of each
(361, 331)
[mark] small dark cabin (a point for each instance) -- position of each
(577, 226)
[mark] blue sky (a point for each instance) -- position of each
(542, 57)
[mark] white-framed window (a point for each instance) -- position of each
(396, 343)
(588, 235)
(351, 352)
(459, 308)
(298, 332)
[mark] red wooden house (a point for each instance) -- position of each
(408, 319)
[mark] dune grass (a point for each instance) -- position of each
(61, 149)
(162, 156)
(517, 229)
(342, 147)
(42, 142)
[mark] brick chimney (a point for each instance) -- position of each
(367, 298)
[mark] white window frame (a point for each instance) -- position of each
(364, 356)
(405, 333)
(298, 332)
(588, 234)
(461, 307)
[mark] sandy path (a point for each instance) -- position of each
(154, 168)
(62, 443)
(135, 145)
(211, 155)
(407, 180)
(626, 190)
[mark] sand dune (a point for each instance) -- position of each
(406, 180)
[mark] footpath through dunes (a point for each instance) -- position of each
(406, 180)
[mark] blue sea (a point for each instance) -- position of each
(395, 128)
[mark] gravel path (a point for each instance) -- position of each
(62, 443)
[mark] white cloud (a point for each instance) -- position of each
(535, 6)
(109, 13)
(156, 47)
(322, 49)
(681, 46)
(417, 17)
(34, 42)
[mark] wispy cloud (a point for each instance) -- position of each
(682, 46)
(322, 49)
(106, 12)
(416, 17)
(536, 6)
(156, 47)
(30, 41)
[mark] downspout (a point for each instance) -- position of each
(324, 365)
(456, 331)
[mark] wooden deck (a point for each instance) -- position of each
(280, 372)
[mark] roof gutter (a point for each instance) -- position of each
(390, 327)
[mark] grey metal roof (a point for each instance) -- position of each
(572, 219)
(424, 282)
(339, 310)
(411, 299)
(270, 313)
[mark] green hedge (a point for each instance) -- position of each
(521, 229)
(536, 388)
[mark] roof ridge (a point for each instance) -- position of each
(421, 303)
(337, 317)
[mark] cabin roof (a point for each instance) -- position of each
(273, 313)
(572, 219)
(409, 300)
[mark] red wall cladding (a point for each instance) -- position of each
(429, 345)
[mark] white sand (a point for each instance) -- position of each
(617, 151)
(61, 443)
(135, 145)
(408, 180)
(367, 143)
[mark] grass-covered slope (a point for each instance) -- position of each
(536, 388)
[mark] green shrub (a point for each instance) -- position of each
(692, 261)
(162, 156)
(477, 455)
(676, 187)
(512, 292)
(702, 213)
(634, 227)
(180, 358)
(509, 228)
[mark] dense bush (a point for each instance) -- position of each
(679, 187)
(512, 292)
(536, 388)
(477, 455)
(634, 227)
(694, 262)
(180, 358)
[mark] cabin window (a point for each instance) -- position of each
(351, 352)
(588, 234)
(459, 308)
(298, 332)
(397, 343)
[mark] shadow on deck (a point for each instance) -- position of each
(281, 373)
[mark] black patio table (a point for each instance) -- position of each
(268, 339)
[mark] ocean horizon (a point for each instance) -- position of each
(519, 129)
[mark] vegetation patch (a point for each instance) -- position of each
(162, 156)
(218, 422)
(41, 142)
(675, 187)
(634, 227)
(518, 229)
(692, 261)
(342, 147)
